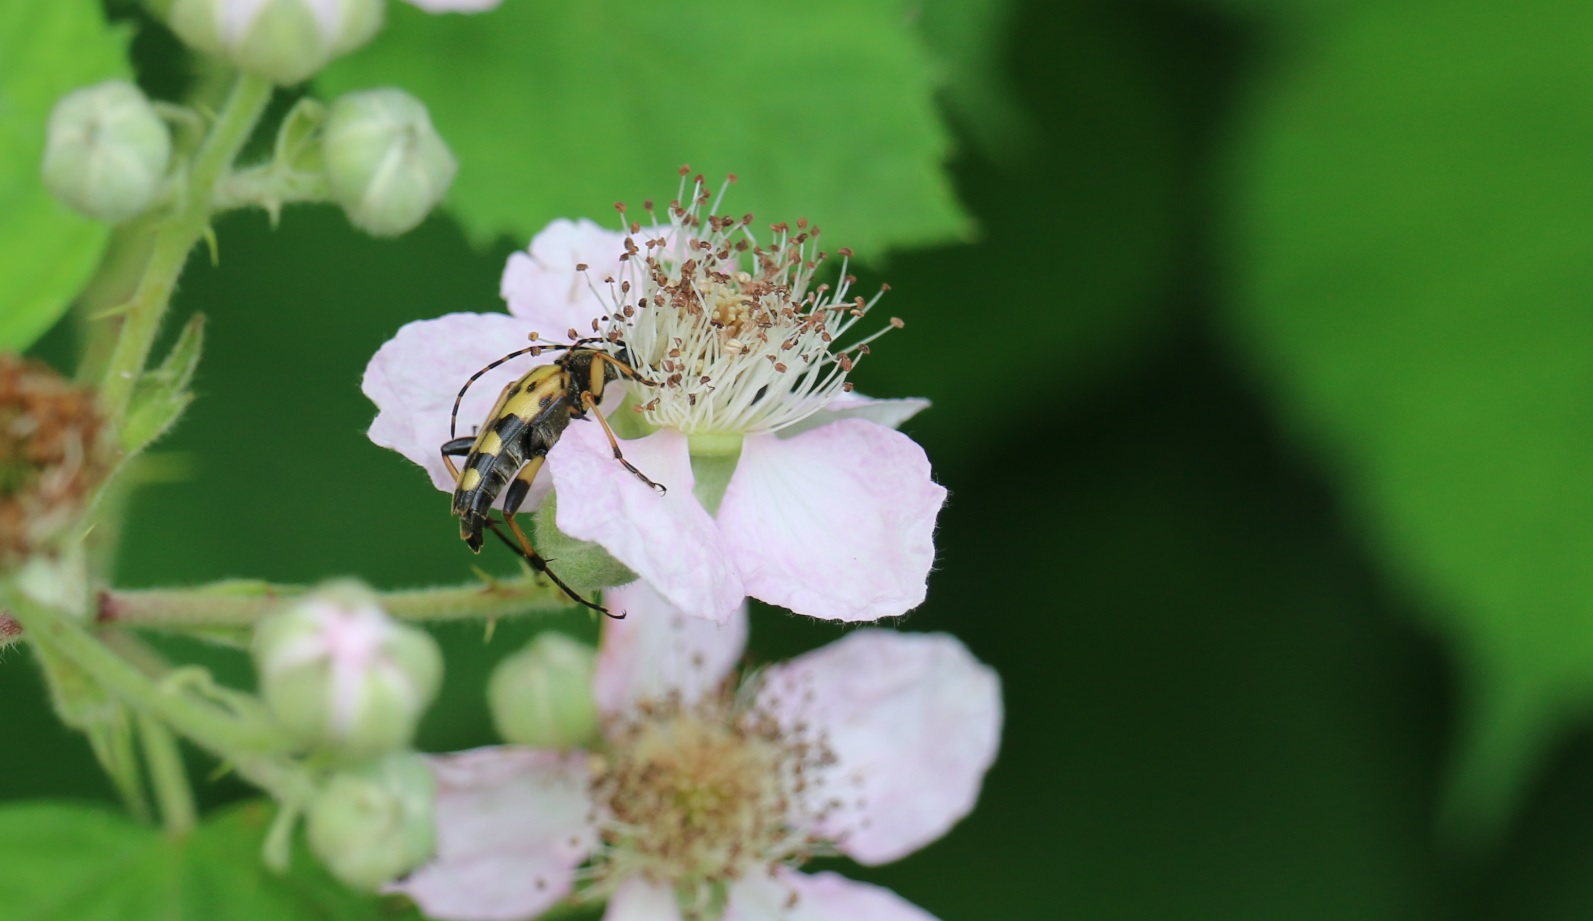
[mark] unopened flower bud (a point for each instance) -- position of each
(10, 630)
(386, 163)
(542, 695)
(342, 676)
(285, 41)
(106, 151)
(372, 824)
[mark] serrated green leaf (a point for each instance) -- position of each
(1416, 208)
(46, 51)
(74, 862)
(823, 109)
(162, 393)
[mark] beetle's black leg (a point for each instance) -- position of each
(524, 549)
(613, 442)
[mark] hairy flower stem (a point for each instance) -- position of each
(174, 240)
(241, 604)
(253, 749)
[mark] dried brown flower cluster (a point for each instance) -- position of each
(51, 456)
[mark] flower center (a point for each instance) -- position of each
(736, 335)
(698, 796)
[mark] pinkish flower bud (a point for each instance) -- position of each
(374, 823)
(542, 695)
(342, 676)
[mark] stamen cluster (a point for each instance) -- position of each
(737, 335)
(699, 795)
(50, 458)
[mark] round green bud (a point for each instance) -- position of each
(284, 41)
(106, 151)
(386, 164)
(344, 678)
(542, 695)
(374, 823)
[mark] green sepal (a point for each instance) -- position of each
(162, 394)
(83, 704)
(298, 140)
(713, 463)
(585, 565)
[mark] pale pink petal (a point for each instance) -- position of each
(455, 6)
(836, 523)
(668, 540)
(853, 405)
(414, 377)
(638, 900)
(543, 286)
(512, 826)
(914, 721)
(793, 896)
(658, 650)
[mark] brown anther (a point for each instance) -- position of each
(52, 456)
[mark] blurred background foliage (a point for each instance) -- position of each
(1261, 347)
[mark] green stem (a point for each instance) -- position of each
(270, 187)
(175, 239)
(168, 776)
(242, 604)
(208, 726)
(97, 309)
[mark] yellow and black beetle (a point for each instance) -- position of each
(524, 425)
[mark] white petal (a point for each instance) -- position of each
(793, 896)
(658, 649)
(235, 18)
(511, 829)
(835, 523)
(668, 540)
(543, 287)
(852, 405)
(638, 900)
(455, 6)
(329, 18)
(414, 377)
(914, 721)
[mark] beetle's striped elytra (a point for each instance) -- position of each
(507, 452)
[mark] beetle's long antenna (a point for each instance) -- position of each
(539, 348)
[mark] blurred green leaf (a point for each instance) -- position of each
(1411, 252)
(969, 43)
(70, 862)
(1080, 233)
(46, 51)
(824, 109)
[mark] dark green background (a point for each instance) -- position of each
(1220, 704)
